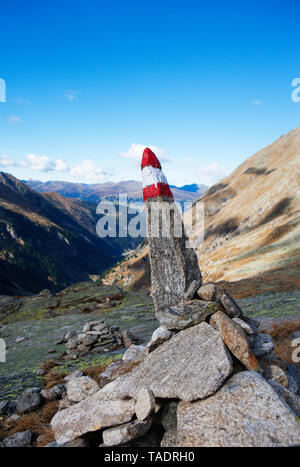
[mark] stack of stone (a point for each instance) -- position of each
(96, 337)
(206, 378)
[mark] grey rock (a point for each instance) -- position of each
(273, 369)
(174, 267)
(292, 400)
(89, 340)
(83, 349)
(76, 443)
(75, 374)
(231, 307)
(125, 433)
(169, 416)
(18, 440)
(64, 404)
(191, 292)
(134, 353)
(70, 335)
(41, 372)
(292, 384)
(207, 292)
(294, 372)
(261, 344)
(169, 439)
(72, 343)
(159, 336)
(186, 314)
(96, 412)
(245, 412)
(28, 401)
(18, 340)
(3, 407)
(192, 365)
(103, 328)
(81, 388)
(13, 418)
(145, 404)
(245, 326)
(127, 340)
(54, 393)
(11, 407)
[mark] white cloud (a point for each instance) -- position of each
(135, 152)
(210, 174)
(256, 102)
(71, 96)
(61, 165)
(88, 171)
(14, 119)
(6, 161)
(44, 164)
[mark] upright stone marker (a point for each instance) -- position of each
(174, 267)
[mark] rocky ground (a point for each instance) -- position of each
(31, 333)
(38, 338)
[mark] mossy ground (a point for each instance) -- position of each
(134, 311)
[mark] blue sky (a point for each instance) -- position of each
(89, 83)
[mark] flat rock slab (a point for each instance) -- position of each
(145, 404)
(125, 433)
(235, 339)
(191, 365)
(246, 412)
(230, 305)
(92, 414)
(185, 314)
(80, 388)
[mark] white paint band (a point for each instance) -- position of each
(153, 176)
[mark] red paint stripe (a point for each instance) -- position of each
(161, 189)
(149, 158)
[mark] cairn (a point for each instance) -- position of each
(97, 337)
(207, 376)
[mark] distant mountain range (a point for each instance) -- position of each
(49, 241)
(110, 190)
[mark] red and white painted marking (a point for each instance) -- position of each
(154, 181)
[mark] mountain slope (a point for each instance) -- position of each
(48, 241)
(252, 225)
(110, 190)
